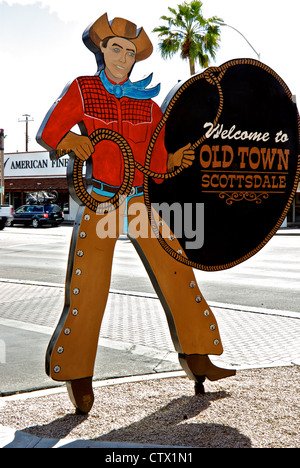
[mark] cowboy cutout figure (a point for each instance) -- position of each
(110, 101)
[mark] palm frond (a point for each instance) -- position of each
(187, 31)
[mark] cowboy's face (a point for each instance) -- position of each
(119, 57)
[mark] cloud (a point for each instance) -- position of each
(41, 52)
(34, 49)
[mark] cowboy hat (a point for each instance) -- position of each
(119, 27)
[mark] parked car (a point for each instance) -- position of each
(38, 215)
(6, 213)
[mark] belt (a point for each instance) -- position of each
(113, 189)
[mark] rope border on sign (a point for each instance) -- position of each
(214, 77)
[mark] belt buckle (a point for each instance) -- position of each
(132, 192)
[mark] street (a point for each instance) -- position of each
(268, 280)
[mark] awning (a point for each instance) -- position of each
(36, 184)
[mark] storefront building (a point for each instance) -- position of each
(26, 173)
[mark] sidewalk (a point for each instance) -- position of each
(288, 231)
(134, 343)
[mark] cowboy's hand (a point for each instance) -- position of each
(183, 157)
(80, 145)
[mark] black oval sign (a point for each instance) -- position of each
(244, 126)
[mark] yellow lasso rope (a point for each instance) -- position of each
(129, 163)
(212, 76)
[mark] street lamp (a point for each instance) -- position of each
(221, 23)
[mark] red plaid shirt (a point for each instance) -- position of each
(87, 101)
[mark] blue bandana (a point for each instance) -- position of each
(132, 90)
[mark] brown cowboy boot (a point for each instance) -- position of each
(81, 394)
(198, 367)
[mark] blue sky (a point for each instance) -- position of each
(41, 49)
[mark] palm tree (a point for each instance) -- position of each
(187, 31)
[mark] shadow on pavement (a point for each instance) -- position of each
(172, 425)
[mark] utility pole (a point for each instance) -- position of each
(26, 127)
(2, 166)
